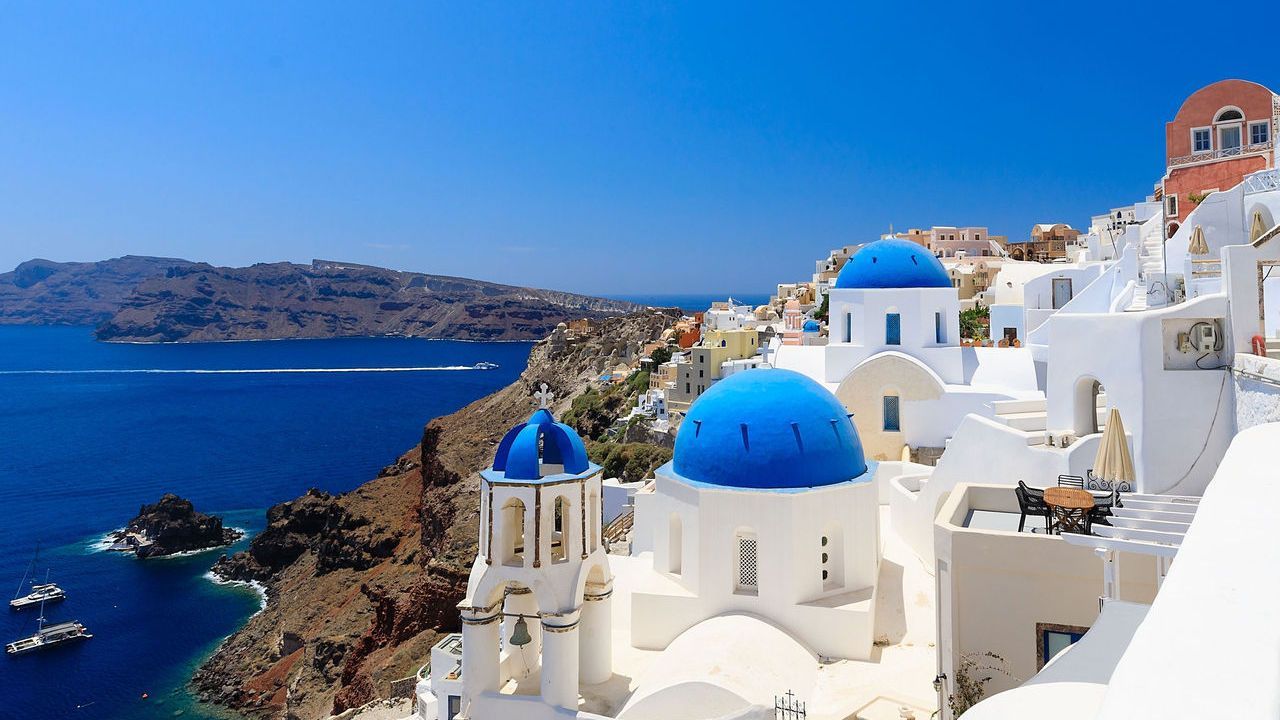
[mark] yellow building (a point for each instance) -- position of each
(706, 361)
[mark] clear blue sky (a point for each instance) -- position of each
(599, 147)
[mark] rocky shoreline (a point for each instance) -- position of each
(361, 585)
(169, 527)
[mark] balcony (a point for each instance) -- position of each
(1221, 154)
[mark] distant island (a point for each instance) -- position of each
(172, 526)
(152, 299)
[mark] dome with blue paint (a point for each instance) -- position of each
(811, 326)
(540, 441)
(768, 429)
(892, 263)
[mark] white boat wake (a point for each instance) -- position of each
(254, 371)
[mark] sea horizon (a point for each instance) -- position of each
(94, 430)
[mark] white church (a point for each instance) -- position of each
(758, 545)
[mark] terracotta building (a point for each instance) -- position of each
(1048, 242)
(1221, 133)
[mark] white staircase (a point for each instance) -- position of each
(1273, 348)
(1150, 266)
(1030, 418)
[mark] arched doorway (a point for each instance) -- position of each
(1090, 401)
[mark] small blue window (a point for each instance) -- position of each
(848, 327)
(939, 332)
(891, 420)
(893, 329)
(1053, 642)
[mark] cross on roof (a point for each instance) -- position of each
(544, 397)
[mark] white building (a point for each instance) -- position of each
(767, 508)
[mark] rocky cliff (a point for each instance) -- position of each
(360, 585)
(330, 299)
(43, 292)
(171, 526)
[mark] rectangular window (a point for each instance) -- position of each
(686, 388)
(455, 707)
(1171, 205)
(939, 330)
(1228, 137)
(748, 571)
(1259, 132)
(848, 327)
(893, 329)
(891, 420)
(1055, 641)
(1201, 141)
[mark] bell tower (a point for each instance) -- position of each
(539, 595)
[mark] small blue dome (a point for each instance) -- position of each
(812, 326)
(517, 456)
(892, 263)
(768, 429)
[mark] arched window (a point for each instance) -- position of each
(513, 533)
(747, 546)
(1228, 114)
(560, 531)
(675, 544)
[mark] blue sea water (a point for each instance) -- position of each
(90, 431)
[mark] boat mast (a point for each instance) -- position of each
(29, 570)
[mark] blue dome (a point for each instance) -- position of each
(768, 429)
(812, 326)
(893, 263)
(517, 456)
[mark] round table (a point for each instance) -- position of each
(1068, 509)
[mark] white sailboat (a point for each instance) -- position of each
(49, 636)
(40, 593)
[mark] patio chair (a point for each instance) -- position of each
(1074, 481)
(1031, 502)
(1102, 506)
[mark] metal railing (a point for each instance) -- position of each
(1221, 154)
(1262, 181)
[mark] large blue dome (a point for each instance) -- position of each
(892, 263)
(527, 446)
(768, 429)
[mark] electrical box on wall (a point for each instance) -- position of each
(1191, 343)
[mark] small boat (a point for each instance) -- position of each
(484, 365)
(46, 637)
(40, 592)
(44, 592)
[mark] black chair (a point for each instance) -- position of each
(1102, 506)
(1074, 481)
(1031, 502)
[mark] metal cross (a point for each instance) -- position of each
(544, 397)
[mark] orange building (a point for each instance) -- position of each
(1221, 133)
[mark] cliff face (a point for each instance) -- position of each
(43, 292)
(327, 299)
(361, 585)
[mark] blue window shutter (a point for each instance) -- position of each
(893, 329)
(891, 420)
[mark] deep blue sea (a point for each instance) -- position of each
(91, 431)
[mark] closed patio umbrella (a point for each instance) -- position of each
(1258, 228)
(1198, 246)
(1114, 463)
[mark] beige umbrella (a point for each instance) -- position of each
(1259, 228)
(1198, 246)
(1114, 463)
